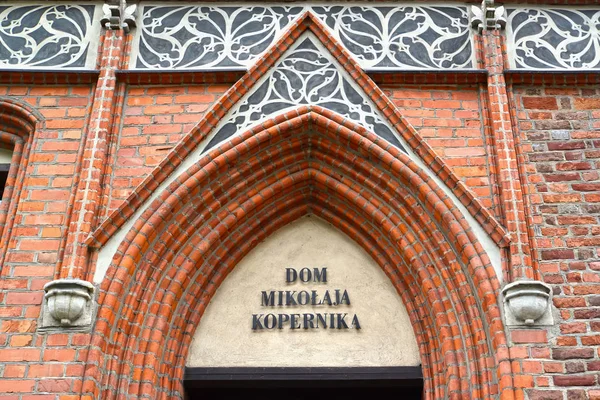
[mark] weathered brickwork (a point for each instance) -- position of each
(452, 120)
(523, 159)
(155, 118)
(48, 185)
(560, 132)
(30, 361)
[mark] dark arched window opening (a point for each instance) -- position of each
(5, 163)
(18, 122)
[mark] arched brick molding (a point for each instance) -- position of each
(306, 161)
(18, 122)
(307, 23)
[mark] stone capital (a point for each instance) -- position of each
(488, 16)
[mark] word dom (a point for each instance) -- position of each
(306, 275)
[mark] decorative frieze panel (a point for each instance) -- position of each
(48, 36)
(209, 37)
(307, 75)
(553, 38)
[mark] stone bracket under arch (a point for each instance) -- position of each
(527, 303)
(68, 304)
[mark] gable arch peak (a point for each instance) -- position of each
(305, 69)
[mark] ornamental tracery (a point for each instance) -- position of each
(305, 76)
(399, 37)
(42, 36)
(553, 38)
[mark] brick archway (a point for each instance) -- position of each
(308, 160)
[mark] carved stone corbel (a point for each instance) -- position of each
(488, 16)
(68, 303)
(527, 303)
(119, 15)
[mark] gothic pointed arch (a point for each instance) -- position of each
(306, 161)
(281, 144)
(330, 78)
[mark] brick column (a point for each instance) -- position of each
(511, 192)
(92, 164)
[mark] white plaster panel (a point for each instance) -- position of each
(234, 35)
(553, 37)
(225, 337)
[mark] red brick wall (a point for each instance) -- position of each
(558, 128)
(452, 120)
(560, 131)
(31, 361)
(49, 182)
(154, 120)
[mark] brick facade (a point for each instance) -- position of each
(520, 151)
(452, 120)
(155, 118)
(558, 129)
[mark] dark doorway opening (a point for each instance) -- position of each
(368, 383)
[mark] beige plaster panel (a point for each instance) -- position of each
(5, 156)
(225, 337)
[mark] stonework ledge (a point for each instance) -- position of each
(527, 303)
(67, 303)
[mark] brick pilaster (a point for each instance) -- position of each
(93, 161)
(511, 193)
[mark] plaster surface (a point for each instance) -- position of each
(225, 337)
(5, 156)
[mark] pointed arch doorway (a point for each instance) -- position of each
(166, 251)
(306, 161)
